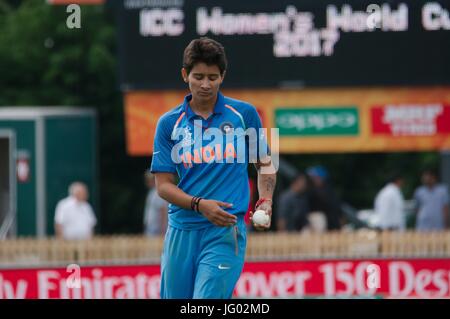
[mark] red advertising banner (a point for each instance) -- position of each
(380, 278)
(415, 278)
(411, 119)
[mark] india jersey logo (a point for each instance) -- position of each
(226, 127)
(224, 144)
(187, 137)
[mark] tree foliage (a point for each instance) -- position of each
(44, 63)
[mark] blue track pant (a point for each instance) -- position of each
(204, 263)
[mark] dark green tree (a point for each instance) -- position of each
(43, 62)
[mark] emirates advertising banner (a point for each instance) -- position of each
(379, 278)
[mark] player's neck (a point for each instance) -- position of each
(202, 107)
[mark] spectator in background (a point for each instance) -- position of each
(433, 203)
(293, 206)
(389, 205)
(74, 217)
(323, 198)
(155, 211)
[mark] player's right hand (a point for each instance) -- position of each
(212, 210)
(267, 207)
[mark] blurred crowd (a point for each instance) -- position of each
(309, 204)
(312, 204)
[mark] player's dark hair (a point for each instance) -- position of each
(207, 51)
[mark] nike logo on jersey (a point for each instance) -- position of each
(222, 267)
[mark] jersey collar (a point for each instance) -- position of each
(218, 108)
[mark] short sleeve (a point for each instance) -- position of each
(253, 121)
(162, 148)
(386, 204)
(92, 217)
(59, 214)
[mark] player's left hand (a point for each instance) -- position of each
(267, 207)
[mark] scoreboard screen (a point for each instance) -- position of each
(288, 44)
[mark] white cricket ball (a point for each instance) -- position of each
(260, 217)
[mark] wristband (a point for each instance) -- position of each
(193, 199)
(262, 200)
(197, 205)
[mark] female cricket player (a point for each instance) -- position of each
(205, 179)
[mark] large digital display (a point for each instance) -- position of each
(288, 44)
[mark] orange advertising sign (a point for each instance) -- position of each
(320, 120)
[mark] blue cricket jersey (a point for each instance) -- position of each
(208, 164)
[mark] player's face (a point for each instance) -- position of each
(204, 81)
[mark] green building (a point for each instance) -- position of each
(42, 151)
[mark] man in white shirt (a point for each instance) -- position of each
(74, 217)
(389, 205)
